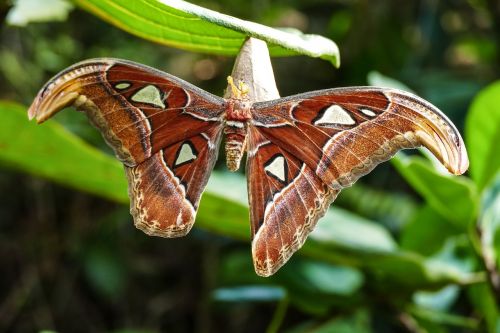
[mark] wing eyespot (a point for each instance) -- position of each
(277, 167)
(333, 115)
(185, 154)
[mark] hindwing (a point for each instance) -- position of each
(286, 200)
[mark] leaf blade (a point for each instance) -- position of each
(49, 151)
(204, 30)
(482, 134)
(454, 197)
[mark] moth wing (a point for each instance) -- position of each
(304, 149)
(165, 131)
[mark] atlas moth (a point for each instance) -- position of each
(301, 150)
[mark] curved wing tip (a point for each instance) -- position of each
(34, 109)
(35, 113)
(463, 162)
(457, 162)
(32, 112)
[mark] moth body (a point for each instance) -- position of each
(237, 115)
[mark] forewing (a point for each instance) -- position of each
(342, 134)
(139, 110)
(166, 132)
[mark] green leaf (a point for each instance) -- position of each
(457, 257)
(183, 25)
(392, 209)
(482, 134)
(440, 300)
(454, 197)
(489, 227)
(27, 11)
(249, 293)
(483, 300)
(52, 152)
(444, 318)
(343, 238)
(312, 286)
(323, 278)
(342, 228)
(427, 231)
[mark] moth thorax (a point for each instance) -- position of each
(238, 110)
(237, 115)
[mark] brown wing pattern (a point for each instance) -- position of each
(302, 150)
(138, 109)
(286, 200)
(329, 139)
(166, 188)
(166, 132)
(342, 134)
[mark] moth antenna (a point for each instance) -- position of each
(239, 91)
(234, 90)
(243, 88)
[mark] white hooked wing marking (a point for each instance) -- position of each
(277, 167)
(150, 95)
(335, 115)
(209, 141)
(269, 125)
(122, 85)
(254, 151)
(368, 112)
(197, 116)
(292, 109)
(185, 154)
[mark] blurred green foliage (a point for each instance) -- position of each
(408, 251)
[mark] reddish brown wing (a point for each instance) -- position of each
(286, 200)
(325, 141)
(344, 133)
(166, 132)
(166, 188)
